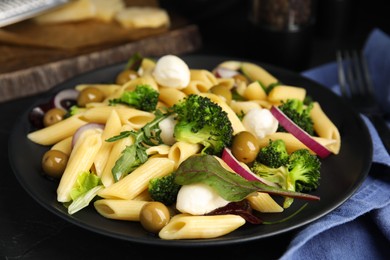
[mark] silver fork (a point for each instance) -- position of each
(356, 87)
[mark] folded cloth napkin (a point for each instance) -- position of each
(359, 228)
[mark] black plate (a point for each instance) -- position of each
(341, 175)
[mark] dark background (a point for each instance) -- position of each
(226, 30)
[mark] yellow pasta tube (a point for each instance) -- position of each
(134, 117)
(106, 89)
(254, 92)
(115, 152)
(80, 160)
(240, 107)
(325, 128)
(112, 128)
(255, 72)
(132, 84)
(64, 145)
(57, 132)
(263, 202)
(119, 209)
(293, 144)
(234, 119)
(185, 226)
(283, 92)
(138, 180)
(161, 149)
(171, 96)
(201, 81)
(181, 151)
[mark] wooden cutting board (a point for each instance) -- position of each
(34, 79)
(35, 58)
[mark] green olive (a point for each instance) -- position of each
(54, 163)
(88, 95)
(53, 116)
(222, 91)
(125, 76)
(245, 147)
(154, 216)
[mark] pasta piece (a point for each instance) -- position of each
(57, 132)
(256, 72)
(106, 89)
(282, 92)
(254, 91)
(119, 209)
(226, 82)
(112, 128)
(116, 151)
(242, 107)
(80, 160)
(64, 145)
(132, 84)
(181, 151)
(325, 128)
(292, 143)
(263, 202)
(145, 196)
(171, 96)
(234, 119)
(185, 226)
(161, 149)
(134, 117)
(201, 81)
(133, 184)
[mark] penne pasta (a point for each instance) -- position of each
(254, 91)
(181, 151)
(243, 107)
(80, 160)
(135, 183)
(64, 145)
(119, 209)
(116, 151)
(185, 226)
(107, 89)
(201, 81)
(134, 117)
(282, 93)
(112, 128)
(53, 134)
(171, 96)
(325, 128)
(263, 202)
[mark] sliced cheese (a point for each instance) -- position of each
(106, 10)
(74, 11)
(142, 17)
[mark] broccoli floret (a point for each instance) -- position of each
(164, 189)
(274, 154)
(300, 174)
(143, 97)
(201, 121)
(299, 113)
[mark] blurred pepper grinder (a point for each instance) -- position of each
(282, 31)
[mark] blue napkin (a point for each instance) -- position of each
(359, 228)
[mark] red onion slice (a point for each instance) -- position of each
(247, 174)
(300, 134)
(83, 128)
(65, 98)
